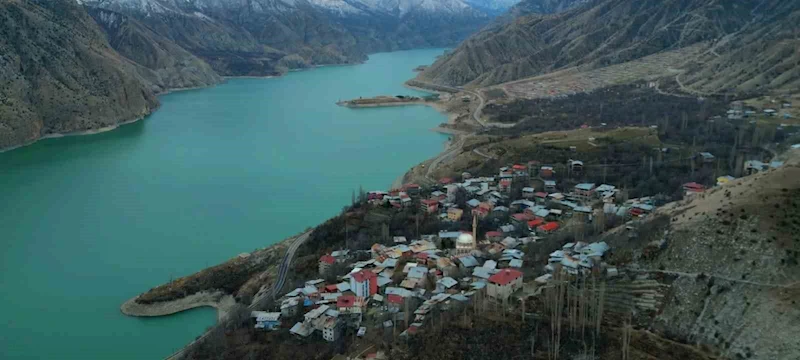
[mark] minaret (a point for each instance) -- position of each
(474, 230)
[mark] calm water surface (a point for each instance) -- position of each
(88, 222)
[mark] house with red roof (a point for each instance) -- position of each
(540, 196)
(325, 264)
(503, 283)
(349, 304)
(693, 187)
(411, 189)
(364, 283)
(548, 227)
(429, 206)
(521, 218)
(533, 224)
(395, 301)
(504, 185)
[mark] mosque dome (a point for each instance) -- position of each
(465, 241)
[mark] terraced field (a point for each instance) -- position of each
(576, 80)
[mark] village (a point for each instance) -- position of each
(393, 290)
(516, 242)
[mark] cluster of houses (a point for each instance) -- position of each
(405, 282)
(772, 108)
(538, 211)
(578, 258)
(750, 167)
(409, 279)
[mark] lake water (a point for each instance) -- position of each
(90, 221)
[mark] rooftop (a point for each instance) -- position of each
(363, 275)
(345, 301)
(549, 226)
(506, 276)
(328, 259)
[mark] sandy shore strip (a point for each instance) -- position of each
(387, 104)
(105, 128)
(169, 91)
(74, 133)
(448, 131)
(218, 300)
(248, 77)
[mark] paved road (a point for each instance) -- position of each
(481, 153)
(286, 264)
(454, 149)
(478, 110)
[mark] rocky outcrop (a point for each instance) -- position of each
(58, 74)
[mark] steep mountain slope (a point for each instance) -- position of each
(730, 257)
(264, 37)
(493, 7)
(763, 56)
(544, 6)
(58, 74)
(607, 32)
(240, 37)
(161, 62)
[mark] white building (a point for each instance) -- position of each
(465, 243)
(504, 283)
(364, 283)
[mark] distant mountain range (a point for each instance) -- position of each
(268, 37)
(73, 65)
(751, 44)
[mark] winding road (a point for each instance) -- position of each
(476, 115)
(456, 147)
(286, 264)
(449, 153)
(283, 271)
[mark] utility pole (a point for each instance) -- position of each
(416, 217)
(605, 169)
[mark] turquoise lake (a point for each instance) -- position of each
(88, 222)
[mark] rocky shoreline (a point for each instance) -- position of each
(218, 300)
(76, 133)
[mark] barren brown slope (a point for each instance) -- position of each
(608, 32)
(764, 56)
(161, 62)
(731, 258)
(58, 74)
